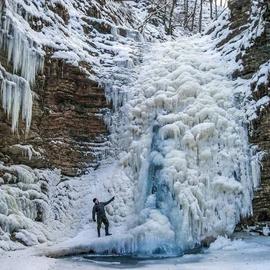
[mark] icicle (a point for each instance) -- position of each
(27, 60)
(16, 96)
(27, 105)
(22, 52)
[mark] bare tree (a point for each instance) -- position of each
(170, 27)
(194, 15)
(153, 13)
(211, 8)
(186, 13)
(216, 9)
(200, 16)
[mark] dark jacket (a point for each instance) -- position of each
(99, 209)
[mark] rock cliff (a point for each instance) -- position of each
(67, 128)
(60, 61)
(249, 40)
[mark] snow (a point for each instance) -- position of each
(237, 46)
(20, 199)
(26, 149)
(244, 253)
(260, 79)
(25, 260)
(266, 231)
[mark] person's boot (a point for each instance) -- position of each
(98, 232)
(107, 232)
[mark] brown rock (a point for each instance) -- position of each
(259, 129)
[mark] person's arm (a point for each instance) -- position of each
(105, 203)
(94, 214)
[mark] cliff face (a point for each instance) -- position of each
(57, 60)
(259, 129)
(67, 125)
(249, 22)
(69, 118)
(67, 128)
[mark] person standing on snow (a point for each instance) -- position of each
(99, 209)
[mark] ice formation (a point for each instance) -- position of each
(16, 98)
(26, 59)
(26, 149)
(188, 154)
(185, 147)
(23, 53)
(70, 40)
(21, 201)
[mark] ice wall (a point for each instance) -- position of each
(188, 153)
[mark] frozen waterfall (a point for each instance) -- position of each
(189, 172)
(187, 148)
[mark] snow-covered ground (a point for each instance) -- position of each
(248, 253)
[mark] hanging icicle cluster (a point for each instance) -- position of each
(26, 59)
(16, 96)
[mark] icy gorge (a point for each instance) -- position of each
(103, 98)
